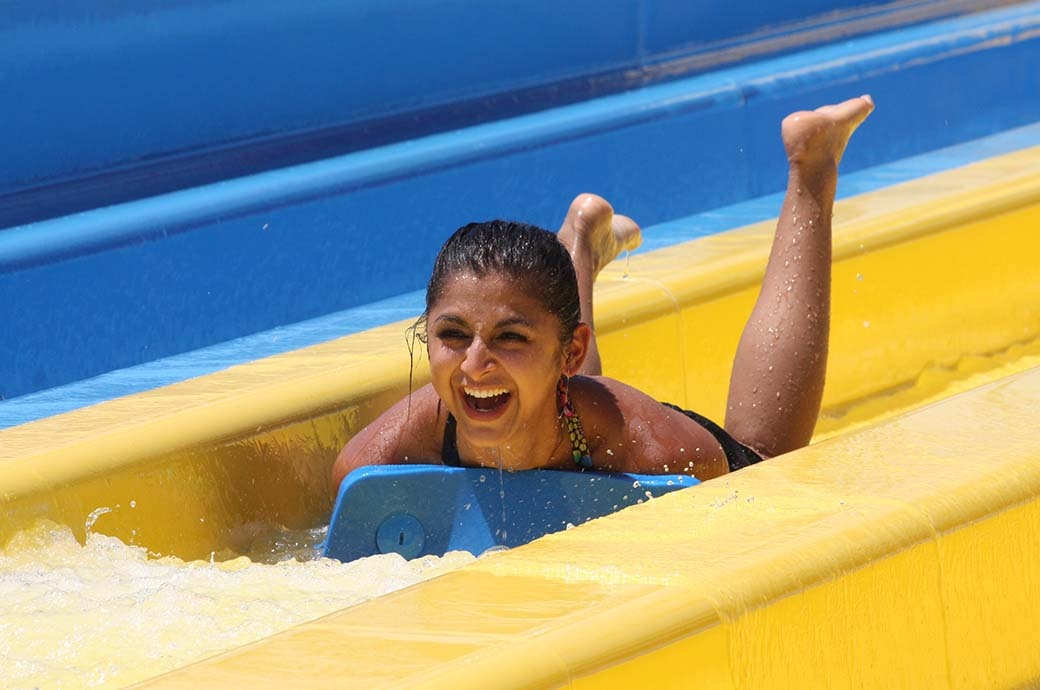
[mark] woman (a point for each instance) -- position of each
(515, 371)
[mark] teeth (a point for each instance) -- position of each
(484, 392)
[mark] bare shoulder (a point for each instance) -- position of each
(409, 432)
(629, 431)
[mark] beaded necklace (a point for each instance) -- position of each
(579, 444)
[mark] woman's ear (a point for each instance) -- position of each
(576, 351)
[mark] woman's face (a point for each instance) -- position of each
(495, 359)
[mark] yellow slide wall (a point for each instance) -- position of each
(868, 558)
(903, 555)
(928, 277)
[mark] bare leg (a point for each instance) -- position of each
(778, 373)
(594, 236)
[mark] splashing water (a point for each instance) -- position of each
(104, 614)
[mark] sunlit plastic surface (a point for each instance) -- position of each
(218, 261)
(844, 537)
(897, 553)
(418, 510)
(955, 248)
(888, 557)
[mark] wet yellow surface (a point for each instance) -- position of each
(876, 558)
(867, 559)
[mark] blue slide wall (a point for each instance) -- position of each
(110, 101)
(112, 287)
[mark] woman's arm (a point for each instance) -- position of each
(409, 432)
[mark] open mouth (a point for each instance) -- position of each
(485, 401)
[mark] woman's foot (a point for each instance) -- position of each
(594, 235)
(815, 139)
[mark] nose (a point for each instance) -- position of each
(478, 359)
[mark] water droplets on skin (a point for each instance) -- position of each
(502, 492)
(624, 272)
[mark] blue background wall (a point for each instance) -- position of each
(110, 101)
(113, 287)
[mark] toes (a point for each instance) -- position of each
(626, 232)
(853, 111)
(822, 134)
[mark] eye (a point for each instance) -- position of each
(451, 334)
(513, 337)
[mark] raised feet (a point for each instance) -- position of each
(594, 235)
(815, 139)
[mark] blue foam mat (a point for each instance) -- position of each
(419, 510)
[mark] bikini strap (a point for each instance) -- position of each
(449, 448)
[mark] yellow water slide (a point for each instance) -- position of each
(902, 549)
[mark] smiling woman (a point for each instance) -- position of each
(511, 341)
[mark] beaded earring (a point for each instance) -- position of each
(579, 444)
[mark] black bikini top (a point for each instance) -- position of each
(579, 446)
(737, 454)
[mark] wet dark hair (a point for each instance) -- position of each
(531, 256)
